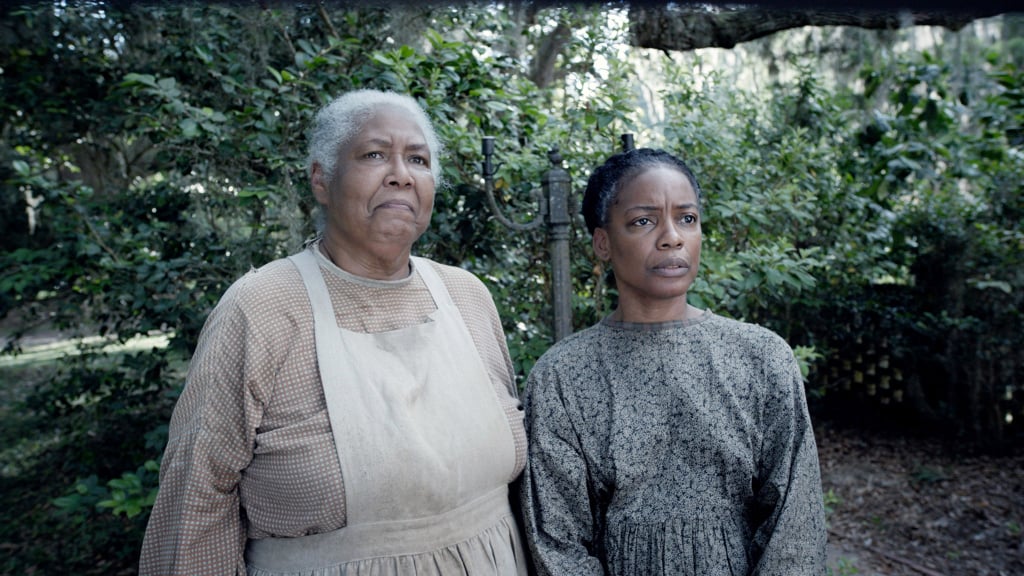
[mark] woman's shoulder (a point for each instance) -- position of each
(461, 283)
(273, 285)
(449, 272)
(748, 334)
(574, 348)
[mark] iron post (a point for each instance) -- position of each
(627, 142)
(553, 200)
(557, 187)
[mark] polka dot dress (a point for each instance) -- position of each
(250, 452)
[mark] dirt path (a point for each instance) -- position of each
(911, 508)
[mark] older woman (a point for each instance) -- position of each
(349, 409)
(667, 440)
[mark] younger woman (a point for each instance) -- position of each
(667, 439)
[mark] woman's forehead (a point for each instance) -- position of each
(657, 181)
(387, 123)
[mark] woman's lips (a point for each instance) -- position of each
(396, 205)
(672, 267)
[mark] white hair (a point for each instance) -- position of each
(338, 122)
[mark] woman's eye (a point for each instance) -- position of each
(641, 221)
(689, 219)
(374, 155)
(419, 160)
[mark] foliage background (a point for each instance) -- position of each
(152, 154)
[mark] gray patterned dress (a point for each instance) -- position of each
(675, 448)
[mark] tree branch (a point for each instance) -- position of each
(690, 27)
(327, 19)
(284, 34)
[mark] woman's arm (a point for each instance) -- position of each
(196, 525)
(556, 502)
(790, 538)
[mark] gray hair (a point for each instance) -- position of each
(338, 122)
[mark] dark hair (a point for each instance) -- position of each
(606, 181)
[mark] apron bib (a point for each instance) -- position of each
(425, 449)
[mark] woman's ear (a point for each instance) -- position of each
(318, 182)
(600, 244)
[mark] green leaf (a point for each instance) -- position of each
(133, 79)
(203, 54)
(383, 59)
(189, 127)
(21, 167)
(306, 47)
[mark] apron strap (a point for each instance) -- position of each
(438, 291)
(326, 334)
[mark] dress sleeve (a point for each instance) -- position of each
(196, 525)
(790, 535)
(558, 509)
(500, 344)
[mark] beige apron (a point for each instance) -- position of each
(425, 450)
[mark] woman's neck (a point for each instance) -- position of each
(375, 267)
(671, 311)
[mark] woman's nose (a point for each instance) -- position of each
(399, 175)
(671, 237)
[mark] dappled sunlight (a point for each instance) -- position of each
(50, 351)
